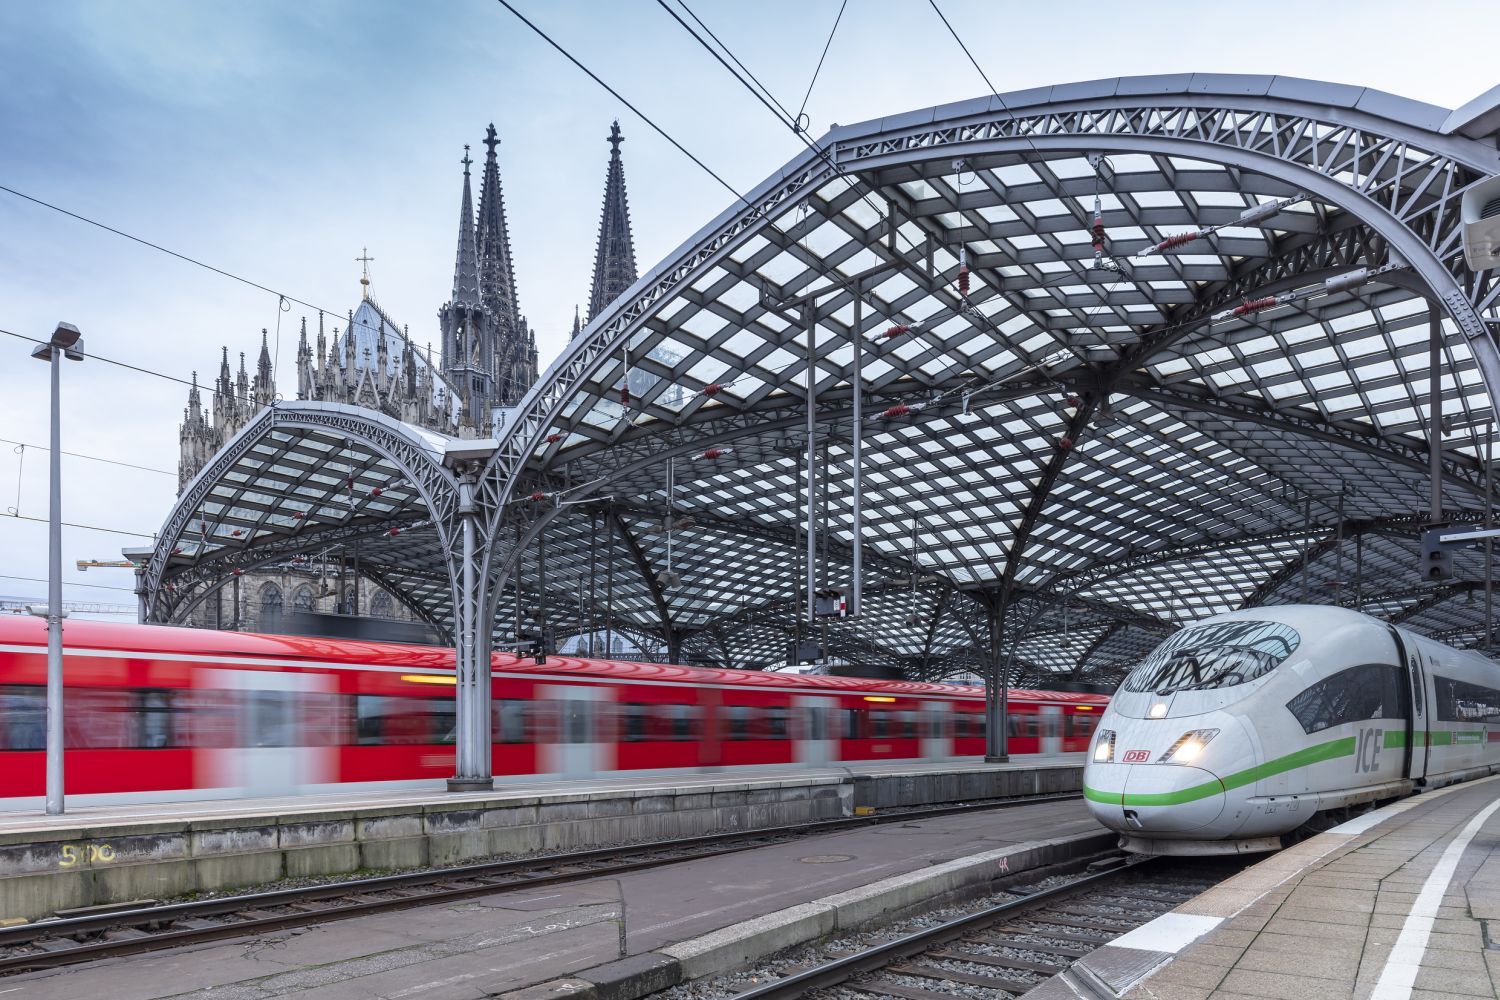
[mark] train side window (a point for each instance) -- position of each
(576, 720)
(736, 722)
(508, 720)
(23, 717)
(1369, 691)
(388, 720)
(778, 723)
(156, 717)
(632, 722)
(856, 724)
(98, 718)
(817, 723)
(1461, 701)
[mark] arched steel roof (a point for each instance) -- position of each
(1099, 446)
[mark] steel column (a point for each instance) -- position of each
(1435, 406)
(856, 441)
(808, 313)
(473, 689)
(54, 602)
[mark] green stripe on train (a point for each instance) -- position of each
(1332, 750)
(1308, 755)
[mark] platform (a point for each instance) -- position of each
(104, 854)
(675, 922)
(1402, 902)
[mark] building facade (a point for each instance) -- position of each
(485, 364)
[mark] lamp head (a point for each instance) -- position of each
(65, 338)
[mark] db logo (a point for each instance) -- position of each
(1136, 756)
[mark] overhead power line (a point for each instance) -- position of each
(86, 527)
(67, 583)
(91, 458)
(166, 250)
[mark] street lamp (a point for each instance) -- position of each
(65, 343)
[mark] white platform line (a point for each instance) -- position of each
(1405, 961)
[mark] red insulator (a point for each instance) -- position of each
(1176, 241)
(1098, 233)
(394, 532)
(963, 280)
(1254, 305)
(553, 438)
(894, 331)
(538, 496)
(298, 516)
(899, 410)
(712, 389)
(1065, 443)
(236, 532)
(238, 571)
(375, 492)
(1072, 401)
(624, 395)
(712, 453)
(177, 551)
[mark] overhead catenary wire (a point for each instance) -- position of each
(67, 583)
(819, 68)
(86, 527)
(91, 458)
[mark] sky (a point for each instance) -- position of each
(277, 139)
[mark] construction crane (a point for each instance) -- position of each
(84, 564)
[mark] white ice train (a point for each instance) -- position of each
(1246, 727)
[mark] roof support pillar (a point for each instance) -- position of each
(996, 684)
(472, 766)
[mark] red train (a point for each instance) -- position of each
(157, 713)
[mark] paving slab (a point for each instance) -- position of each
(1399, 902)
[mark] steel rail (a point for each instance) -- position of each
(910, 945)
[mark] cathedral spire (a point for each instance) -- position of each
(577, 326)
(263, 366)
(466, 269)
(614, 260)
(497, 272)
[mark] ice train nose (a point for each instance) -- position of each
(1162, 799)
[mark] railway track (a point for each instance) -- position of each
(48, 944)
(1007, 949)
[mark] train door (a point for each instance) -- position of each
(577, 744)
(273, 755)
(819, 742)
(937, 729)
(1051, 732)
(1414, 758)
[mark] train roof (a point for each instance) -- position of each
(164, 639)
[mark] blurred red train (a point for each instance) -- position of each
(161, 713)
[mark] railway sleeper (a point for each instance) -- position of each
(900, 990)
(999, 961)
(968, 978)
(1017, 941)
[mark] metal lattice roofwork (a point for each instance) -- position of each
(1135, 352)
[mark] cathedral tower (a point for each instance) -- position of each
(468, 325)
(513, 343)
(614, 259)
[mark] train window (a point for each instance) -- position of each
(1370, 691)
(577, 716)
(1461, 701)
(98, 718)
(156, 719)
(1078, 725)
(324, 718)
(23, 718)
(1214, 656)
(1022, 727)
(388, 720)
(778, 723)
(508, 721)
(856, 722)
(968, 725)
(736, 722)
(207, 718)
(817, 724)
(880, 724)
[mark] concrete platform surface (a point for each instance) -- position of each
(1401, 903)
(490, 945)
(14, 821)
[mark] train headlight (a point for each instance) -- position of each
(1104, 749)
(1188, 746)
(1159, 710)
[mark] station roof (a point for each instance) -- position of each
(1082, 415)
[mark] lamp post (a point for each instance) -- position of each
(65, 343)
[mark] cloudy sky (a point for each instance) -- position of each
(275, 139)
